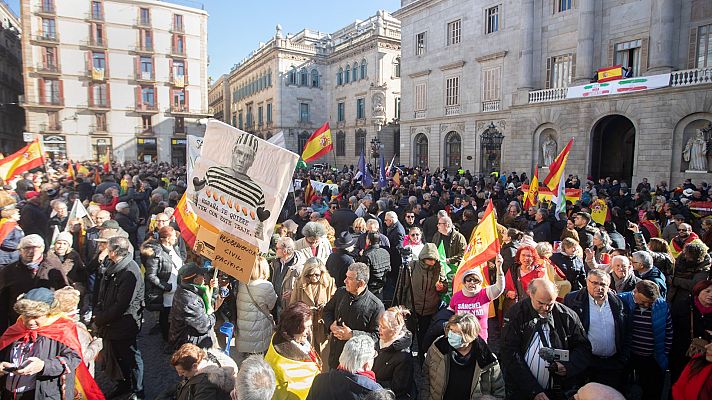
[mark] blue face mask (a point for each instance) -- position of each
(454, 339)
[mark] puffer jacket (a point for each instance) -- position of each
(394, 366)
(454, 245)
(210, 383)
(687, 274)
(379, 264)
(72, 267)
(189, 322)
(426, 299)
(254, 329)
(8, 248)
(158, 264)
(486, 380)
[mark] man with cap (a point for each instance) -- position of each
(31, 271)
(192, 315)
(117, 316)
(127, 222)
(341, 257)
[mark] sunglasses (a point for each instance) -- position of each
(475, 280)
(682, 230)
(414, 234)
(315, 275)
(410, 216)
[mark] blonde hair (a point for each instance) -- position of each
(544, 249)
(67, 299)
(468, 324)
(314, 264)
(330, 231)
(359, 223)
(260, 270)
(395, 317)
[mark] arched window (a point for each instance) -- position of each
(347, 74)
(420, 153)
(302, 140)
(303, 77)
(360, 143)
(396, 67)
(364, 71)
(355, 73)
(453, 150)
(292, 76)
(340, 143)
(314, 78)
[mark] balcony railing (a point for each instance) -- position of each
(102, 129)
(542, 96)
(145, 76)
(99, 105)
(147, 108)
(178, 28)
(97, 74)
(48, 69)
(691, 77)
(47, 9)
(419, 114)
(144, 130)
(178, 51)
(46, 37)
(148, 48)
(95, 42)
(143, 22)
(52, 127)
(452, 110)
(52, 101)
(490, 106)
(95, 16)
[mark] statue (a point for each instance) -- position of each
(549, 150)
(696, 152)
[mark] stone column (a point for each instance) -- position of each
(584, 48)
(526, 58)
(662, 25)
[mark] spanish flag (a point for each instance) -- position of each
(70, 171)
(610, 73)
(25, 159)
(396, 178)
(556, 169)
(107, 161)
(82, 169)
(532, 198)
(309, 192)
(187, 221)
(97, 177)
(484, 246)
(319, 143)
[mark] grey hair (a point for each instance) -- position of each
(644, 258)
(442, 214)
(287, 243)
(623, 259)
(313, 229)
(373, 223)
(357, 352)
(545, 282)
(33, 240)
(361, 270)
(119, 245)
(603, 237)
(382, 394)
(392, 215)
(447, 220)
(256, 380)
(382, 205)
(601, 274)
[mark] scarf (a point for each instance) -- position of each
(62, 329)
(652, 228)
(676, 246)
(206, 294)
(701, 308)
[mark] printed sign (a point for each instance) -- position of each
(234, 256)
(636, 84)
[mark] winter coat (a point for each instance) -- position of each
(323, 249)
(342, 219)
(72, 267)
(316, 297)
(426, 299)
(210, 383)
(34, 219)
(293, 371)
(687, 274)
(382, 241)
(189, 320)
(542, 231)
(508, 251)
(658, 319)
(254, 329)
(91, 346)
(338, 384)
(360, 313)
(379, 264)
(119, 307)
(654, 275)
(486, 380)
(662, 260)
(8, 248)
(337, 264)
(129, 225)
(586, 236)
(517, 333)
(395, 234)
(284, 278)
(454, 245)
(572, 267)
(692, 386)
(394, 366)
(159, 265)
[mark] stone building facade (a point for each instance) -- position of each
(219, 99)
(504, 72)
(295, 83)
(12, 118)
(128, 76)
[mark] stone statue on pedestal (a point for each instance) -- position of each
(549, 150)
(696, 152)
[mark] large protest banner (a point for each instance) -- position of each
(238, 185)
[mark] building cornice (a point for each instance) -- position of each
(490, 57)
(455, 65)
(420, 73)
(413, 8)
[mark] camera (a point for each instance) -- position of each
(406, 255)
(551, 355)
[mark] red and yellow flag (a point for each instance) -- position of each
(27, 158)
(107, 161)
(82, 169)
(97, 177)
(610, 73)
(187, 221)
(532, 196)
(396, 178)
(70, 170)
(557, 168)
(309, 192)
(484, 245)
(319, 143)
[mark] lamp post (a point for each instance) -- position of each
(375, 151)
(491, 146)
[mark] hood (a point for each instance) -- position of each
(430, 250)
(222, 377)
(483, 354)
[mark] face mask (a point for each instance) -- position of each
(454, 339)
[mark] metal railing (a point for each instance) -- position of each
(452, 110)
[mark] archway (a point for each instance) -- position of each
(453, 151)
(613, 148)
(421, 150)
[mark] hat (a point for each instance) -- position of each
(474, 271)
(65, 236)
(110, 224)
(679, 216)
(122, 206)
(42, 295)
(344, 240)
(247, 140)
(687, 192)
(31, 194)
(510, 186)
(189, 271)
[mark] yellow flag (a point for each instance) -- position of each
(599, 210)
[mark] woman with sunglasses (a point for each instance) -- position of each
(414, 241)
(474, 298)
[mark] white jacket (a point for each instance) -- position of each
(254, 329)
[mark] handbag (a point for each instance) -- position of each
(697, 345)
(267, 314)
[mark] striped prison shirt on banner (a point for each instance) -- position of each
(537, 364)
(643, 342)
(247, 192)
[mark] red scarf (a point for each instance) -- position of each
(689, 386)
(678, 248)
(368, 374)
(701, 308)
(652, 228)
(64, 331)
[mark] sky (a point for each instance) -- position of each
(235, 27)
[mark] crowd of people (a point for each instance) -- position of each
(355, 298)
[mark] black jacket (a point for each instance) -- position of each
(586, 236)
(159, 265)
(542, 231)
(578, 301)
(189, 322)
(342, 219)
(128, 224)
(508, 253)
(119, 306)
(520, 326)
(210, 383)
(394, 366)
(572, 267)
(341, 385)
(379, 264)
(360, 313)
(395, 235)
(34, 219)
(337, 264)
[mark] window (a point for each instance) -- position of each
(396, 67)
(360, 143)
(98, 61)
(421, 150)
(491, 83)
(363, 69)
(420, 96)
(341, 112)
(397, 108)
(492, 19)
(340, 76)
(50, 90)
(420, 44)
(100, 122)
(53, 121)
(239, 120)
(146, 64)
(360, 108)
(314, 78)
(704, 47)
(146, 39)
(148, 96)
(453, 32)
(303, 77)
(178, 44)
(99, 95)
(50, 58)
(146, 122)
(628, 55)
(178, 23)
(302, 140)
(97, 10)
(452, 91)
(347, 74)
(179, 101)
(48, 6)
(292, 76)
(303, 112)
(355, 72)
(453, 150)
(249, 118)
(559, 71)
(269, 113)
(340, 143)
(178, 70)
(49, 28)
(260, 120)
(144, 17)
(97, 36)
(562, 5)
(179, 125)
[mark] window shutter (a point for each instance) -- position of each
(644, 43)
(108, 96)
(106, 64)
(61, 91)
(153, 68)
(91, 94)
(548, 72)
(137, 66)
(186, 99)
(170, 70)
(44, 57)
(93, 31)
(573, 66)
(90, 62)
(138, 97)
(41, 82)
(692, 49)
(185, 72)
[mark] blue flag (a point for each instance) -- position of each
(382, 182)
(366, 178)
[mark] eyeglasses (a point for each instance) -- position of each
(414, 234)
(598, 283)
(410, 216)
(442, 223)
(314, 275)
(682, 230)
(474, 280)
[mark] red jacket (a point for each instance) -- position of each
(697, 387)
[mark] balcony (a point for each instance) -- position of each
(691, 77)
(46, 10)
(178, 81)
(143, 22)
(104, 105)
(146, 108)
(51, 128)
(419, 114)
(144, 49)
(546, 95)
(145, 77)
(95, 16)
(178, 52)
(490, 106)
(144, 130)
(98, 43)
(52, 102)
(98, 129)
(181, 110)
(45, 38)
(452, 110)
(178, 28)
(97, 74)
(48, 70)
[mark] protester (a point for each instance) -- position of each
(192, 315)
(622, 277)
(11, 232)
(696, 380)
(255, 381)
(527, 268)
(570, 263)
(68, 302)
(339, 260)
(284, 272)
(393, 365)
(379, 264)
(314, 242)
(687, 342)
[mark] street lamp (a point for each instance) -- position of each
(375, 150)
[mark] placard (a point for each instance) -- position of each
(234, 256)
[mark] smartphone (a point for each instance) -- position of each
(15, 367)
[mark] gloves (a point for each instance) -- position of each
(168, 287)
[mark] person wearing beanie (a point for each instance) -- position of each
(64, 257)
(45, 350)
(474, 298)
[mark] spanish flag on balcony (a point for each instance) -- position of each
(610, 73)
(319, 143)
(27, 158)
